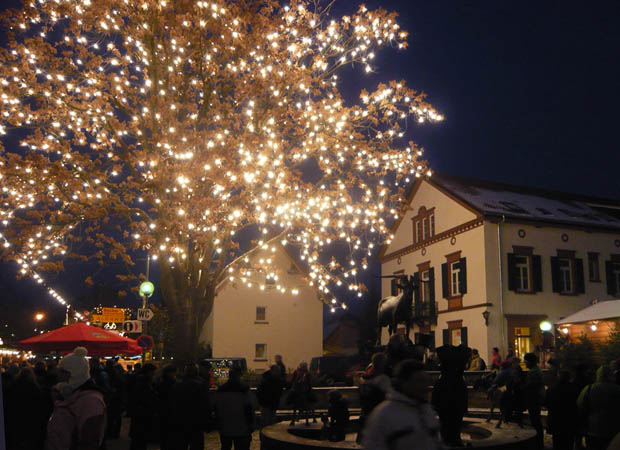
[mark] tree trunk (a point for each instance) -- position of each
(189, 300)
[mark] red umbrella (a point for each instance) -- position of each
(96, 340)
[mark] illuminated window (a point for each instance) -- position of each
(261, 351)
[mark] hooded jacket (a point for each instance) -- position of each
(401, 423)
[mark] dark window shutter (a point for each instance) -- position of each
(579, 281)
(446, 336)
(463, 275)
(417, 305)
(431, 280)
(609, 273)
(445, 281)
(512, 272)
(464, 336)
(555, 273)
(537, 273)
(432, 346)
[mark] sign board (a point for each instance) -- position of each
(145, 314)
(110, 326)
(132, 326)
(109, 315)
(145, 341)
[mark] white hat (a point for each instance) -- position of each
(77, 364)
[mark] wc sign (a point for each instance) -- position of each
(145, 314)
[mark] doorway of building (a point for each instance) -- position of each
(523, 341)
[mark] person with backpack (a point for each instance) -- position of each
(79, 417)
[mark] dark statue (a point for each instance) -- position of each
(396, 309)
(450, 392)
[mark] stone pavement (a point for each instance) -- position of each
(212, 440)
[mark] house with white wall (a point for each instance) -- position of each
(495, 260)
(258, 324)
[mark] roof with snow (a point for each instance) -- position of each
(609, 309)
(527, 203)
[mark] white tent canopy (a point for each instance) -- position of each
(606, 310)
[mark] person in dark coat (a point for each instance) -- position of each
(562, 418)
(338, 413)
(164, 394)
(115, 398)
(191, 410)
(534, 395)
(280, 364)
(142, 408)
(234, 413)
(450, 393)
(268, 394)
(25, 411)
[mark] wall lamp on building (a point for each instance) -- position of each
(486, 315)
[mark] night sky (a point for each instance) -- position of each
(529, 91)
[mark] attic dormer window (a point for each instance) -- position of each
(423, 225)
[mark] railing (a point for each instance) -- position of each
(425, 311)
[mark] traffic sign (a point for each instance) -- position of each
(145, 341)
(132, 326)
(145, 314)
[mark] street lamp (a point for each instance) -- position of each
(39, 317)
(545, 326)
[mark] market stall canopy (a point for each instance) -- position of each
(606, 310)
(96, 340)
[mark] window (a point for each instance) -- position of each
(423, 225)
(612, 272)
(566, 281)
(593, 268)
(616, 277)
(261, 313)
(454, 278)
(425, 286)
(260, 351)
(567, 273)
(455, 337)
(523, 272)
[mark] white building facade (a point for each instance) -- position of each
(500, 259)
(258, 324)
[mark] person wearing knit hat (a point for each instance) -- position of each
(77, 365)
(79, 419)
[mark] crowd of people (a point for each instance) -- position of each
(79, 403)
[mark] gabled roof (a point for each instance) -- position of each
(496, 199)
(609, 309)
(531, 204)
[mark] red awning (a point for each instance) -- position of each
(96, 340)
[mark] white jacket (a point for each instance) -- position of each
(401, 423)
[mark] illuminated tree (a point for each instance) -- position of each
(198, 131)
